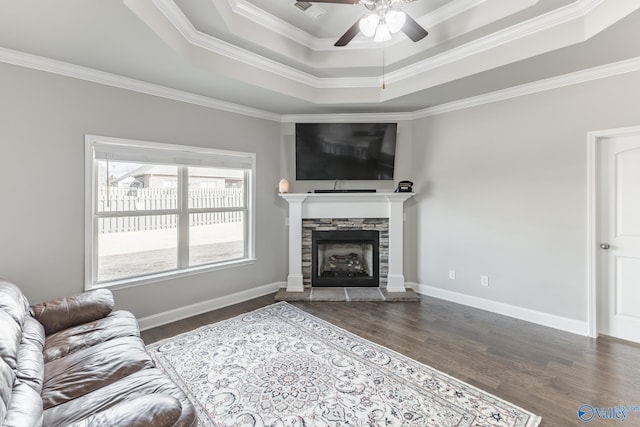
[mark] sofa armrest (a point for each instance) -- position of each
(155, 410)
(65, 312)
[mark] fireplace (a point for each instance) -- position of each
(345, 258)
(380, 211)
(379, 227)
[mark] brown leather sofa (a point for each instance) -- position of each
(75, 362)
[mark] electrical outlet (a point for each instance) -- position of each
(452, 274)
(484, 280)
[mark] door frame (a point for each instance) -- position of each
(594, 139)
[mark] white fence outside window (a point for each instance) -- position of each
(113, 199)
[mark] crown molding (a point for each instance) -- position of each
(578, 77)
(528, 28)
(471, 51)
(245, 9)
(583, 76)
(266, 20)
(203, 41)
(88, 74)
(212, 44)
(108, 79)
(270, 22)
(345, 118)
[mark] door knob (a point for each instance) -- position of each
(604, 246)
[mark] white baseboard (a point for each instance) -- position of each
(533, 316)
(174, 315)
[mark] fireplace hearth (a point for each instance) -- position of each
(345, 258)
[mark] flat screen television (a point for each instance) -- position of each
(345, 151)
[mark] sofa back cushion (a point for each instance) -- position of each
(13, 302)
(21, 360)
(25, 408)
(13, 309)
(10, 336)
(30, 369)
(7, 378)
(64, 312)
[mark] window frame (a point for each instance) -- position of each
(182, 157)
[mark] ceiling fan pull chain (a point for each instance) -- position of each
(383, 85)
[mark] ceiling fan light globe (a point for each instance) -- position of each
(382, 33)
(395, 19)
(368, 24)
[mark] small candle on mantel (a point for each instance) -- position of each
(283, 186)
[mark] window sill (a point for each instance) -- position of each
(168, 275)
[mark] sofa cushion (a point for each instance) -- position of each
(74, 310)
(142, 383)
(30, 369)
(25, 407)
(156, 410)
(33, 331)
(13, 301)
(116, 324)
(94, 367)
(7, 378)
(10, 337)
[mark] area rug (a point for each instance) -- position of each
(280, 366)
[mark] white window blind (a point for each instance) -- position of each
(144, 152)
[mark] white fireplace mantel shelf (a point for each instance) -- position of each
(347, 205)
(347, 197)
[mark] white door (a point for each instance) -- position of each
(619, 237)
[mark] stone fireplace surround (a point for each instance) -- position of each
(309, 225)
(349, 206)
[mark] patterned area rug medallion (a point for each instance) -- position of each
(280, 366)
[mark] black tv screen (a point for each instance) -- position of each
(345, 151)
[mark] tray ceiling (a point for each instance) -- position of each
(272, 56)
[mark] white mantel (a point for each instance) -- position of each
(347, 205)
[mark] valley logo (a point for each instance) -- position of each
(587, 413)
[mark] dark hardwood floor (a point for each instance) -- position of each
(548, 372)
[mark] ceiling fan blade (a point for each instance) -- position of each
(332, 1)
(349, 35)
(413, 30)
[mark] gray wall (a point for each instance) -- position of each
(502, 192)
(44, 118)
(501, 188)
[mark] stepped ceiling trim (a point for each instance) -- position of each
(244, 9)
(232, 11)
(83, 73)
(565, 26)
(66, 69)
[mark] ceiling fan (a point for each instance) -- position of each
(383, 19)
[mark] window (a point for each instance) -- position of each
(157, 210)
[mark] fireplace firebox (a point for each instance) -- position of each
(345, 258)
